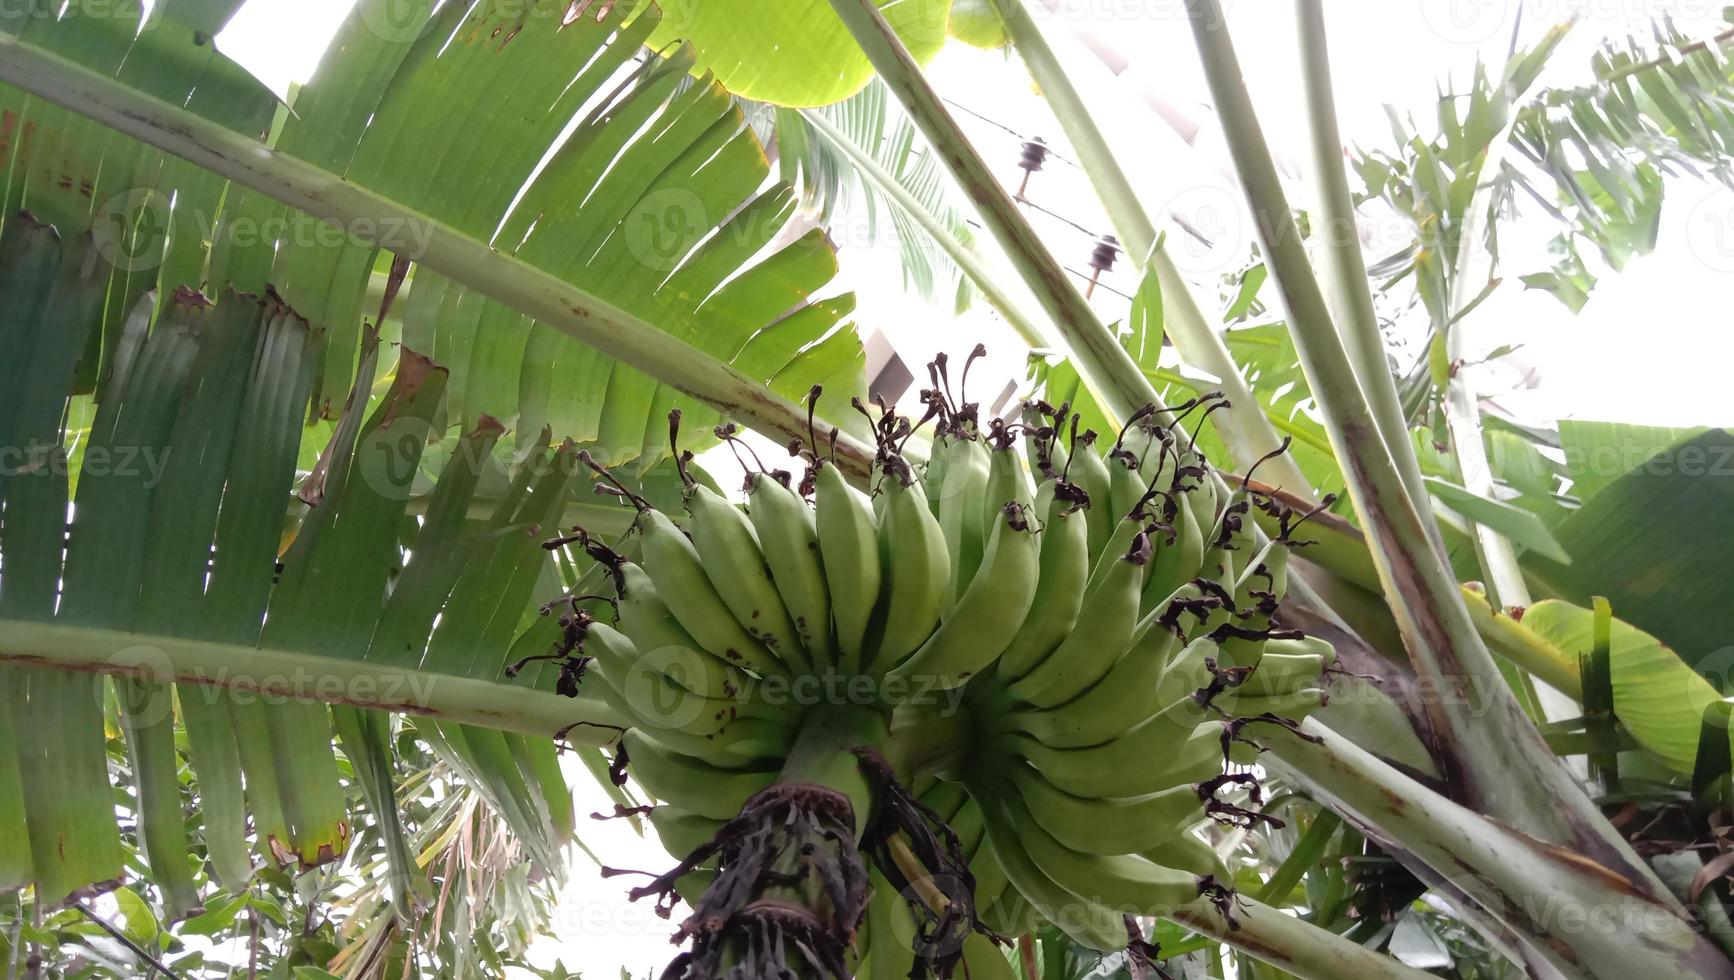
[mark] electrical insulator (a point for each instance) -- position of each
(1102, 256)
(1034, 154)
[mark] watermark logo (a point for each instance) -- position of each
(659, 685)
(1210, 235)
(1710, 229)
(1717, 667)
(664, 226)
(387, 459)
(397, 21)
(1465, 21)
(147, 704)
(131, 230)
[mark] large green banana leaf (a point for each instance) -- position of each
(507, 122)
(176, 534)
(793, 52)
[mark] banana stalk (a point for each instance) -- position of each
(1244, 427)
(1582, 920)
(1113, 377)
(449, 252)
(280, 675)
(1495, 757)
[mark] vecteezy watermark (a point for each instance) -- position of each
(1710, 229)
(396, 21)
(1716, 667)
(1472, 22)
(1213, 237)
(664, 226)
(1694, 460)
(132, 230)
(243, 686)
(661, 682)
(12, 11)
(1466, 21)
(145, 463)
(1547, 904)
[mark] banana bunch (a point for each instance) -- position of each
(1097, 725)
(1082, 625)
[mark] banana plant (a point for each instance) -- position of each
(1007, 687)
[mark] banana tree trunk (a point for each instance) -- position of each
(1585, 921)
(1493, 756)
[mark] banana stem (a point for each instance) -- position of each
(1243, 425)
(468, 260)
(1350, 296)
(1491, 753)
(270, 675)
(1290, 943)
(827, 731)
(1583, 920)
(965, 257)
(1109, 371)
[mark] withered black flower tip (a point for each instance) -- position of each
(734, 922)
(617, 767)
(1141, 954)
(621, 810)
(937, 849)
(1222, 897)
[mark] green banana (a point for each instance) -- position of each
(1096, 825)
(1150, 740)
(690, 596)
(789, 538)
(1126, 883)
(655, 697)
(729, 549)
(1010, 914)
(891, 934)
(990, 612)
(1105, 630)
(682, 832)
(982, 960)
(1065, 566)
(1191, 854)
(1294, 706)
(962, 499)
(1125, 697)
(918, 572)
(693, 785)
(1007, 482)
(1279, 674)
(647, 621)
(849, 551)
(1112, 769)
(1088, 925)
(1188, 672)
(1125, 486)
(743, 743)
(1086, 470)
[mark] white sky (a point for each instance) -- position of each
(1653, 345)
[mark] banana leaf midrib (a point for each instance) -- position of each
(291, 674)
(502, 277)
